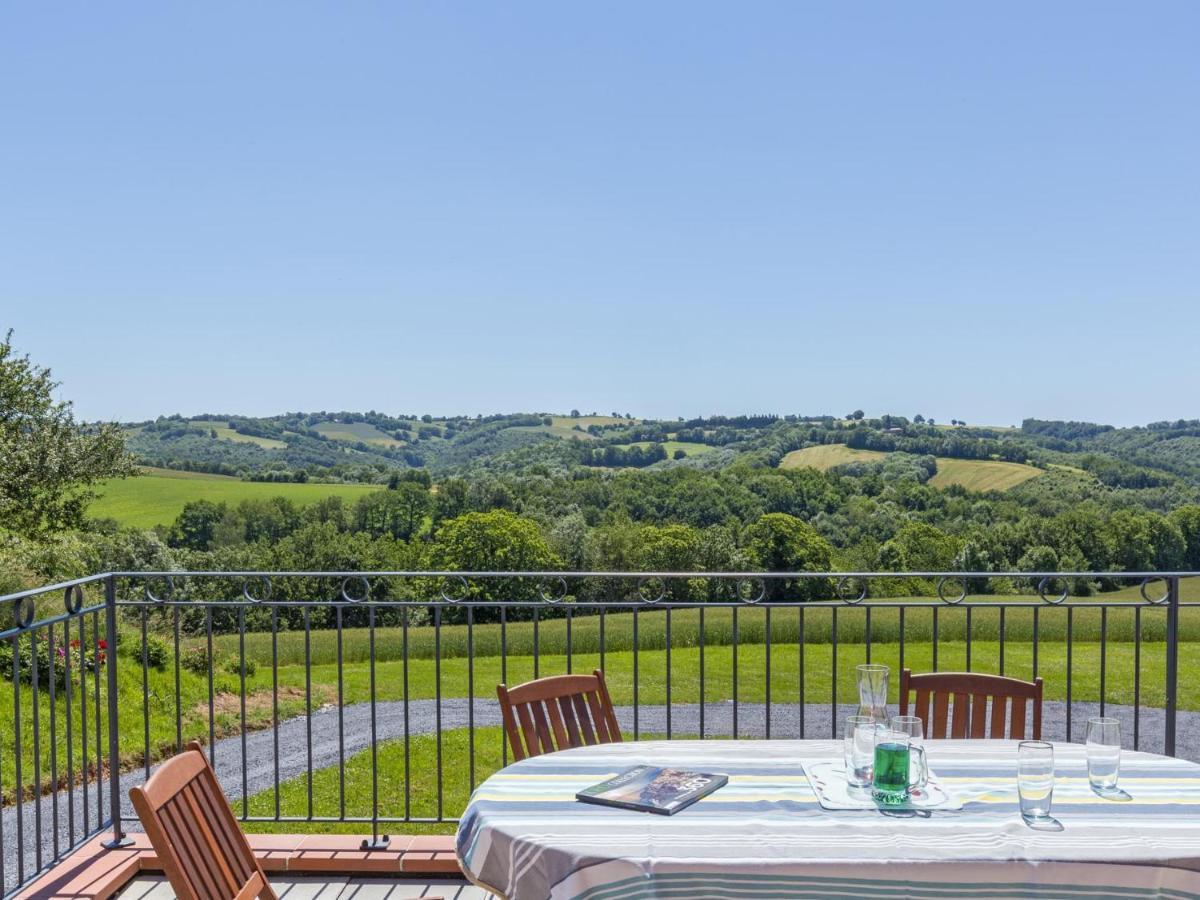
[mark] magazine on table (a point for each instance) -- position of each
(653, 789)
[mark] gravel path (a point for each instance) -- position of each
(259, 773)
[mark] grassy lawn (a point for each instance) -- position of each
(550, 635)
(157, 497)
(420, 775)
(454, 675)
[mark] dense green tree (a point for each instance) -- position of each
(976, 554)
(671, 548)
(778, 542)
(568, 540)
(48, 462)
(1144, 541)
(398, 513)
(268, 519)
(495, 541)
(918, 547)
(331, 509)
(1187, 520)
(196, 526)
(452, 499)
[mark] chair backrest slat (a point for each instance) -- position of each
(193, 831)
(556, 721)
(567, 708)
(979, 708)
(941, 712)
(602, 733)
(961, 704)
(960, 712)
(999, 709)
(587, 735)
(556, 713)
(528, 731)
(542, 727)
(1017, 725)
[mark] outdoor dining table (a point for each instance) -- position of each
(765, 834)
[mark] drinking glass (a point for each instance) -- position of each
(1035, 778)
(891, 775)
(914, 727)
(1103, 754)
(859, 748)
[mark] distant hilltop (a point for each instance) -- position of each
(366, 447)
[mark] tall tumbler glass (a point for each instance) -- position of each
(1103, 754)
(859, 749)
(1035, 779)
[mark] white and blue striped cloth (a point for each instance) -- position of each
(765, 835)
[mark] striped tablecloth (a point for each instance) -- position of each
(765, 835)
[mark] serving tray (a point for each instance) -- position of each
(828, 782)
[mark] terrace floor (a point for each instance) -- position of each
(155, 887)
(300, 867)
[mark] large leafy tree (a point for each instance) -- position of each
(782, 543)
(1187, 520)
(496, 541)
(48, 461)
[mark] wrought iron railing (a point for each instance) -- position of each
(363, 699)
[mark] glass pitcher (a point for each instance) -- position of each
(873, 692)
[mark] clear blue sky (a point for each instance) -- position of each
(661, 208)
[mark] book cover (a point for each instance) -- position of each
(653, 789)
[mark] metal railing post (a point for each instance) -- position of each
(119, 838)
(1172, 698)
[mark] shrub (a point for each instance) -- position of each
(83, 658)
(196, 659)
(157, 652)
(233, 666)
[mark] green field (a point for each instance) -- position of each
(826, 456)
(585, 421)
(691, 448)
(981, 474)
(157, 498)
(225, 433)
(562, 431)
(358, 432)
(972, 474)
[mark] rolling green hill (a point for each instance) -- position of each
(157, 497)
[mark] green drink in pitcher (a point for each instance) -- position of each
(892, 778)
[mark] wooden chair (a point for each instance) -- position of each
(558, 712)
(193, 830)
(968, 717)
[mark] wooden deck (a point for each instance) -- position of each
(328, 867)
(155, 887)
